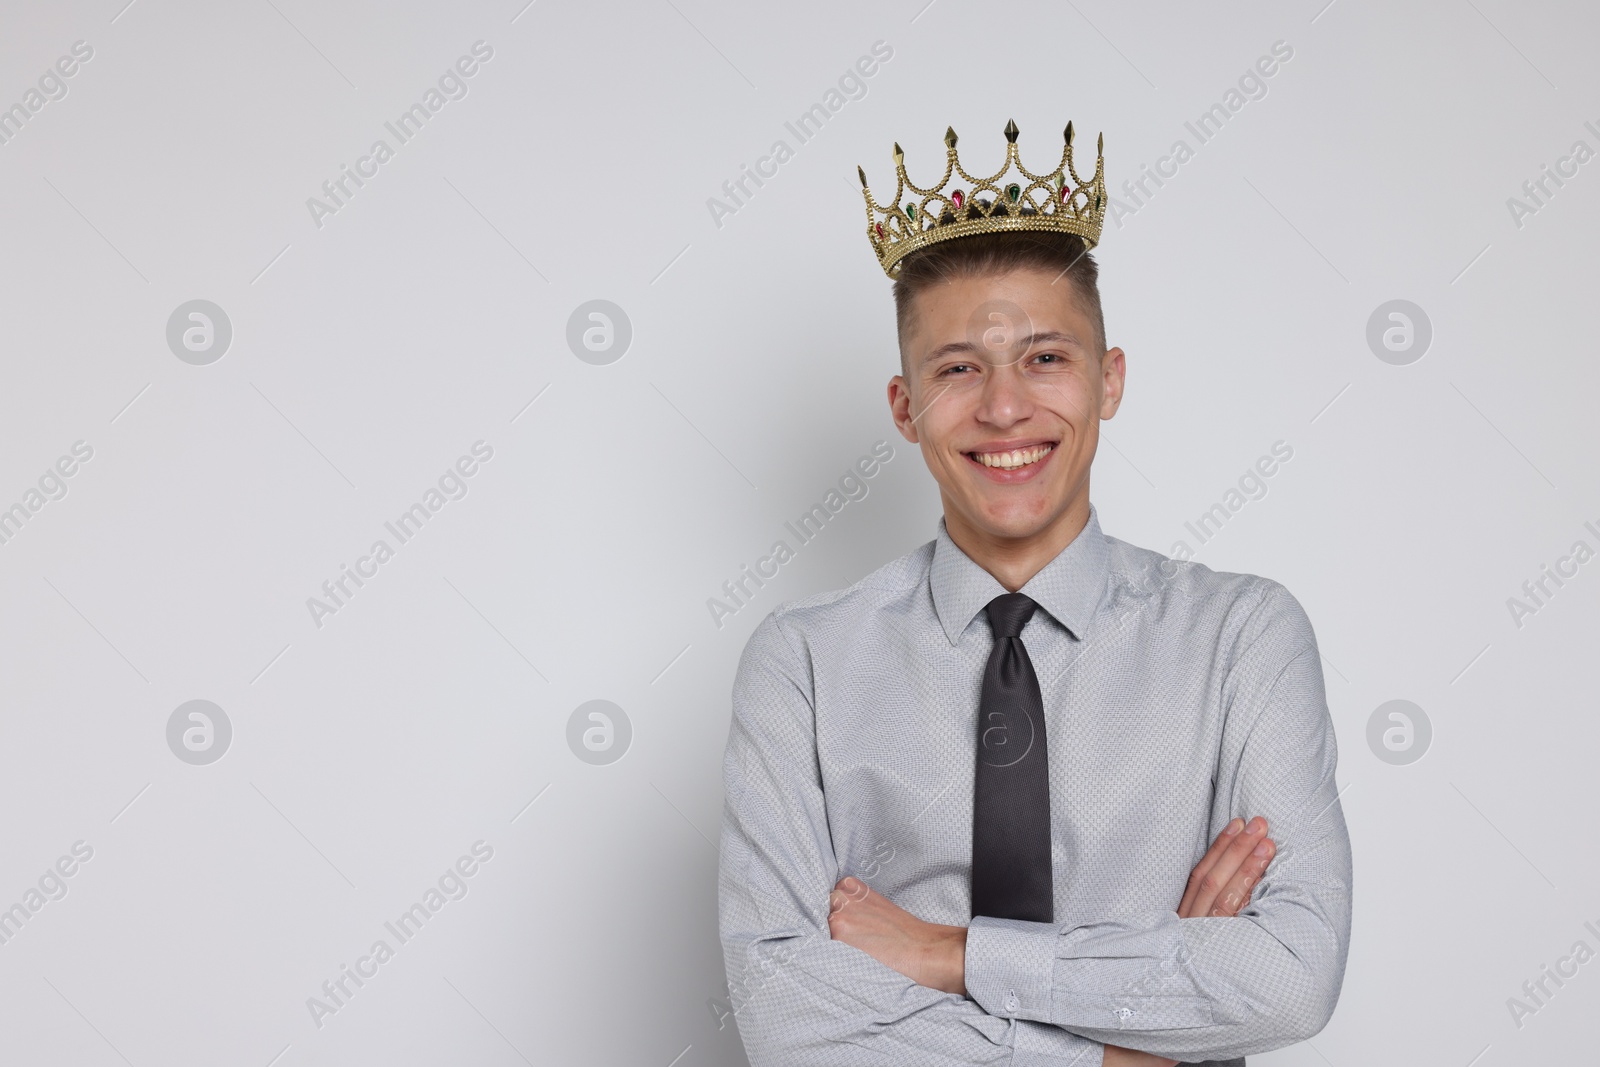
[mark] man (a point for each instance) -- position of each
(969, 798)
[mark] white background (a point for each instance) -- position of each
(371, 351)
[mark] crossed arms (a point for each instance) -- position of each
(934, 955)
(809, 980)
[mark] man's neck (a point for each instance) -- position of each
(1013, 561)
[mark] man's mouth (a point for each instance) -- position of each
(1016, 459)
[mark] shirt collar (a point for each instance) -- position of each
(1069, 587)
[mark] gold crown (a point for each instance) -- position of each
(1046, 202)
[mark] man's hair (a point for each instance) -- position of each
(1062, 255)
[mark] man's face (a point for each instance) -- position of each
(1004, 390)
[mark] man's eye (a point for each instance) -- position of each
(1054, 357)
(955, 367)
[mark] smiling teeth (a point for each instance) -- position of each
(1010, 461)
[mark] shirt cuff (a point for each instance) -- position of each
(1135, 981)
(1010, 966)
(1038, 1045)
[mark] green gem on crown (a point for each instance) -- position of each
(1014, 192)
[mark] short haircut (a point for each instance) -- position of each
(1063, 255)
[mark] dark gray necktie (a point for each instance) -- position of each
(1011, 868)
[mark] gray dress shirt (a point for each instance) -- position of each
(1176, 697)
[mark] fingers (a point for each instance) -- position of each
(1237, 891)
(1209, 860)
(1117, 1056)
(1223, 886)
(848, 890)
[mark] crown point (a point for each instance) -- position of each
(1068, 204)
(1101, 146)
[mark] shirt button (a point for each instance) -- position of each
(1012, 1005)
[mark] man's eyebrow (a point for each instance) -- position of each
(1039, 338)
(947, 350)
(1049, 337)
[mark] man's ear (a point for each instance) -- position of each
(1113, 378)
(900, 408)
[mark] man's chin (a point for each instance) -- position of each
(1009, 524)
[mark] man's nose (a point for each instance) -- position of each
(1005, 391)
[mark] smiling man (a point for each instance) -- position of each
(969, 799)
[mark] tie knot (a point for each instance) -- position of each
(1009, 613)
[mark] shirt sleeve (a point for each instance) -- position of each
(801, 999)
(1213, 987)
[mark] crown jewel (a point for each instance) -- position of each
(1033, 202)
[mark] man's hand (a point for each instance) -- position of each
(935, 956)
(927, 953)
(1219, 886)
(1230, 869)
(1117, 1056)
